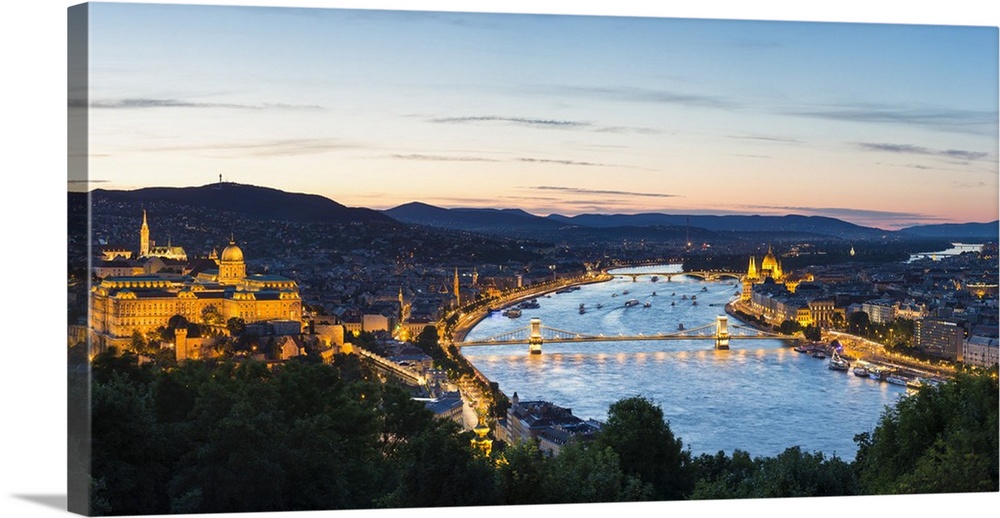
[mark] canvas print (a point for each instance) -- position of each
(345, 259)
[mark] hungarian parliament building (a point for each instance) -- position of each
(144, 297)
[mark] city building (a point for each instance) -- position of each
(940, 337)
(148, 248)
(981, 351)
(123, 305)
(880, 311)
(551, 425)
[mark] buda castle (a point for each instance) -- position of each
(219, 286)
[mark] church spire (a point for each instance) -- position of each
(144, 236)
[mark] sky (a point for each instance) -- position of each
(878, 124)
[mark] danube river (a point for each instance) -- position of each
(759, 396)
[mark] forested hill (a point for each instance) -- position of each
(250, 201)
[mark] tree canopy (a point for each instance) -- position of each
(236, 435)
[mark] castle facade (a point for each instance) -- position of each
(124, 304)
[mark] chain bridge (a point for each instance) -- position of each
(705, 275)
(535, 334)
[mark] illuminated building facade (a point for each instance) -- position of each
(940, 337)
(121, 305)
(148, 248)
(770, 292)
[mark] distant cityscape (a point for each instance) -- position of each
(275, 289)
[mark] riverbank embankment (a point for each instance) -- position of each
(857, 348)
(467, 321)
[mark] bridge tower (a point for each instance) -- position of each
(535, 338)
(722, 332)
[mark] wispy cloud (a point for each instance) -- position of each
(542, 123)
(846, 212)
(941, 119)
(521, 121)
(764, 138)
(958, 154)
(144, 103)
(561, 162)
(644, 95)
(264, 148)
(969, 185)
(447, 158)
(441, 158)
(579, 190)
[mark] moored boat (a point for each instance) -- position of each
(896, 379)
(512, 313)
(860, 371)
(838, 364)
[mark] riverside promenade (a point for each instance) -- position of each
(859, 348)
(467, 320)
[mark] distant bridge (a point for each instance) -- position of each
(535, 334)
(705, 275)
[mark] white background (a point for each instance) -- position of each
(32, 354)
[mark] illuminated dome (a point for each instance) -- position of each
(771, 266)
(770, 262)
(232, 253)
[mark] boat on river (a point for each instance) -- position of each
(646, 304)
(680, 327)
(631, 302)
(512, 313)
(896, 379)
(655, 278)
(860, 371)
(838, 364)
(818, 353)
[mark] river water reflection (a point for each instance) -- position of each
(760, 396)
